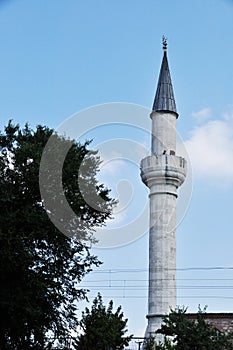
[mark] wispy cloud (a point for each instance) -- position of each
(202, 115)
(112, 163)
(210, 148)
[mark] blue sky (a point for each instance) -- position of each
(58, 58)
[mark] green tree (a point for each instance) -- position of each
(151, 344)
(40, 268)
(102, 328)
(192, 334)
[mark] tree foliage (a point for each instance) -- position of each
(39, 266)
(102, 328)
(189, 334)
(150, 343)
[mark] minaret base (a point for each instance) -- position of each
(154, 323)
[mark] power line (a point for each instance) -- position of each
(161, 279)
(200, 268)
(178, 297)
(124, 287)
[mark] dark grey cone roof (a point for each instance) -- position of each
(164, 98)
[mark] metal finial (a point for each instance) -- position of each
(164, 43)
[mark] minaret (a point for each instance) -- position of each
(162, 172)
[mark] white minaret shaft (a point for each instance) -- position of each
(162, 172)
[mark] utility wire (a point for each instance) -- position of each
(200, 268)
(178, 297)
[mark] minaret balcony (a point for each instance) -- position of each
(163, 170)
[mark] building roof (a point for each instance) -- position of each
(164, 97)
(211, 315)
(223, 321)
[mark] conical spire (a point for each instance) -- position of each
(164, 98)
